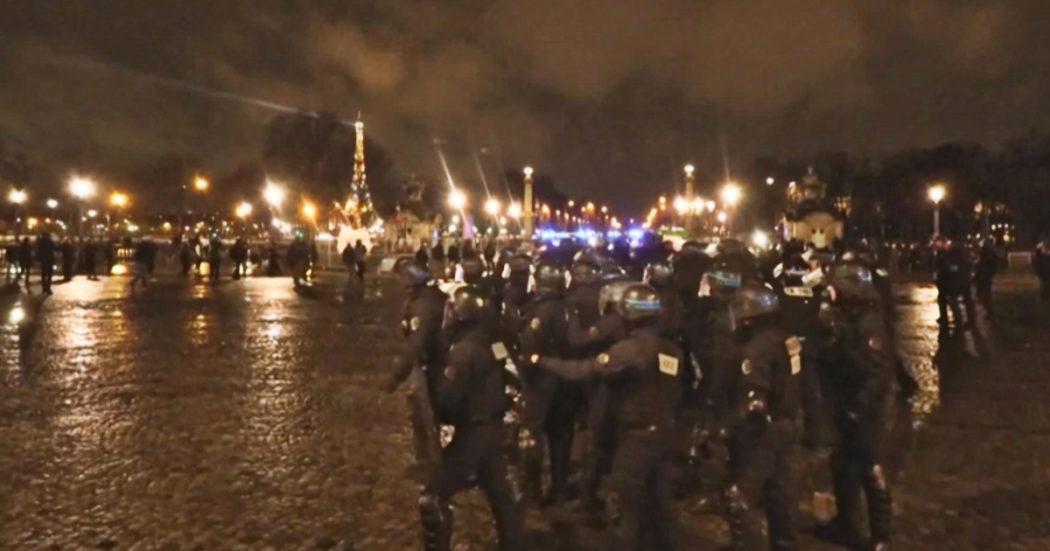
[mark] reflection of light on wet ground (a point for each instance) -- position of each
(917, 343)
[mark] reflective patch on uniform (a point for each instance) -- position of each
(745, 367)
(798, 291)
(500, 351)
(668, 364)
(794, 349)
(450, 373)
(603, 358)
(875, 343)
(534, 324)
(415, 323)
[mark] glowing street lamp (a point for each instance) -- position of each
(273, 194)
(457, 199)
(17, 196)
(731, 194)
(770, 181)
(52, 204)
(243, 210)
(936, 194)
(81, 188)
(492, 206)
(309, 210)
(201, 184)
(118, 199)
(514, 210)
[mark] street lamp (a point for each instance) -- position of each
(52, 204)
(492, 206)
(273, 194)
(731, 194)
(936, 194)
(514, 210)
(457, 199)
(17, 196)
(527, 171)
(81, 188)
(200, 183)
(309, 210)
(243, 210)
(118, 199)
(769, 181)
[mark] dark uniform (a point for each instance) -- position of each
(860, 360)
(953, 272)
(799, 288)
(641, 373)
(762, 440)
(550, 403)
(469, 395)
(421, 324)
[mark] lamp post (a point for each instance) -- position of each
(117, 200)
(527, 203)
(731, 195)
(936, 194)
(82, 189)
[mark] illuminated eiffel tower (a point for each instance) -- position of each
(359, 208)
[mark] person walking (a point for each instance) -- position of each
(987, 266)
(45, 254)
(25, 259)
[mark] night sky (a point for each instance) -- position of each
(608, 97)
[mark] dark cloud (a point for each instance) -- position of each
(608, 97)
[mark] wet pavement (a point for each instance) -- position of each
(248, 416)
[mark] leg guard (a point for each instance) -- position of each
(880, 505)
(436, 517)
(532, 466)
(744, 533)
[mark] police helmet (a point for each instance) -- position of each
(466, 303)
(753, 300)
(639, 302)
(549, 277)
(519, 263)
(611, 271)
(720, 281)
(472, 268)
(611, 293)
(587, 256)
(584, 273)
(659, 274)
(412, 270)
(852, 282)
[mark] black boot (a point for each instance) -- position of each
(436, 517)
(880, 507)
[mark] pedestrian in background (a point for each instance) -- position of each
(361, 252)
(139, 264)
(1042, 267)
(25, 259)
(987, 266)
(45, 254)
(69, 259)
(110, 255)
(90, 259)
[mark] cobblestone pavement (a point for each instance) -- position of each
(247, 416)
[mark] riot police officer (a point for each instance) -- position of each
(763, 435)
(550, 403)
(662, 277)
(469, 395)
(860, 365)
(718, 349)
(584, 286)
(421, 324)
(799, 288)
(641, 372)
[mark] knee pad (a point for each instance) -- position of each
(877, 478)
